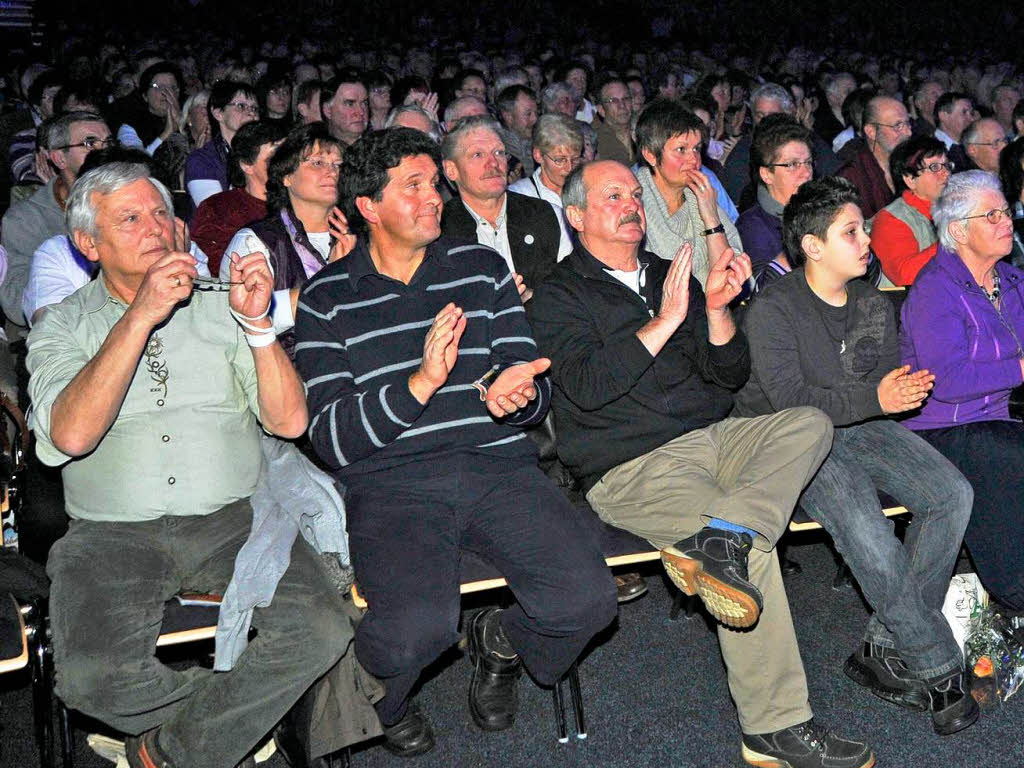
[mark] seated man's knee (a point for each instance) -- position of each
(408, 641)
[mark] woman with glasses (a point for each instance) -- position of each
(557, 149)
(152, 113)
(295, 236)
(232, 104)
(780, 157)
(963, 320)
(903, 236)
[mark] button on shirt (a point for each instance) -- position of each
(494, 237)
(186, 439)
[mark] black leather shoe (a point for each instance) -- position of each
(493, 689)
(713, 564)
(629, 586)
(953, 708)
(882, 671)
(807, 745)
(410, 736)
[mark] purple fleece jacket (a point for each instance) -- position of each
(951, 328)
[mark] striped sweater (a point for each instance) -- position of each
(359, 336)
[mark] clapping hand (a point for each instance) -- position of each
(726, 278)
(514, 387)
(900, 390)
(675, 291)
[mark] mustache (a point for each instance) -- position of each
(630, 218)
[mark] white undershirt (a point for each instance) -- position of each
(629, 279)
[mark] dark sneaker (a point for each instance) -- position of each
(410, 736)
(713, 564)
(807, 745)
(629, 586)
(493, 689)
(953, 708)
(882, 671)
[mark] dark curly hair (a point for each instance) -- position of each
(367, 162)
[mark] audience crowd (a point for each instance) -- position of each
(324, 302)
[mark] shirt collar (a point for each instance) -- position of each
(587, 264)
(361, 265)
(478, 220)
(96, 295)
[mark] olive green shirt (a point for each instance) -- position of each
(186, 440)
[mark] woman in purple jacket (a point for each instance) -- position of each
(964, 321)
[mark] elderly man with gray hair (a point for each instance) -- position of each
(150, 387)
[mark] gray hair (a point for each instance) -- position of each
(574, 191)
(450, 143)
(832, 82)
(451, 112)
(58, 132)
(772, 92)
(958, 200)
(435, 130)
(80, 213)
(550, 95)
(556, 130)
(510, 76)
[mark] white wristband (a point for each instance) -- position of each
(260, 340)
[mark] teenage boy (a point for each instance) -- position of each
(823, 338)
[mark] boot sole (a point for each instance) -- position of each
(730, 606)
(767, 761)
(865, 677)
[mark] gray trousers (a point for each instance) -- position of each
(749, 472)
(110, 581)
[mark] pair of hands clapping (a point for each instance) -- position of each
(511, 390)
(724, 282)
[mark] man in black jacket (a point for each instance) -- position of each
(644, 363)
(525, 231)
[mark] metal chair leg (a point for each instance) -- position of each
(577, 701)
(682, 602)
(42, 687)
(67, 736)
(556, 692)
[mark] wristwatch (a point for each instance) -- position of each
(713, 230)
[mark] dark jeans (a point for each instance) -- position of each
(110, 581)
(991, 456)
(405, 536)
(904, 583)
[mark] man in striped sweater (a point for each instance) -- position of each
(399, 344)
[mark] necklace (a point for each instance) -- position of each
(825, 321)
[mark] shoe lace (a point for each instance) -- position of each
(738, 549)
(813, 735)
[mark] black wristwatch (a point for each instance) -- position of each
(713, 230)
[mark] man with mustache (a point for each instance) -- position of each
(644, 362)
(399, 343)
(526, 232)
